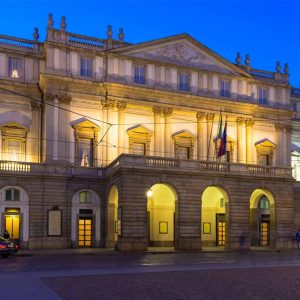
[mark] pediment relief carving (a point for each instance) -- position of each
(183, 54)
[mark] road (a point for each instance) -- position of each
(99, 274)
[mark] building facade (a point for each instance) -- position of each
(110, 144)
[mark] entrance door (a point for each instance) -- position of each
(264, 233)
(85, 232)
(221, 229)
(12, 225)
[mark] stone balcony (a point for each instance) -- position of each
(128, 161)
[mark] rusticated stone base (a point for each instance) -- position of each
(132, 244)
(189, 244)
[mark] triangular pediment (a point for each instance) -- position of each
(139, 129)
(84, 123)
(265, 143)
(182, 50)
(183, 134)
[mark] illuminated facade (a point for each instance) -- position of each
(109, 144)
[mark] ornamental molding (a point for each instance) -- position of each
(157, 110)
(168, 111)
(121, 105)
(209, 117)
(200, 116)
(249, 122)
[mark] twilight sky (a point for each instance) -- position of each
(268, 30)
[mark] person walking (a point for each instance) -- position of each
(297, 238)
(6, 235)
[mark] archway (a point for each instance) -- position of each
(262, 218)
(85, 231)
(161, 215)
(14, 214)
(113, 225)
(214, 217)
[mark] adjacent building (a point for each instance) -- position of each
(109, 144)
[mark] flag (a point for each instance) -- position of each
(222, 149)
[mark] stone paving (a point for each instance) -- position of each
(103, 274)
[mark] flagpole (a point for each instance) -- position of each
(208, 146)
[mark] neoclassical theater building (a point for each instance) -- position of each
(104, 143)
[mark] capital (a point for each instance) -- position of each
(157, 110)
(64, 98)
(35, 105)
(200, 115)
(121, 105)
(240, 121)
(168, 111)
(209, 116)
(249, 122)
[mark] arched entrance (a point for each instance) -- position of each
(262, 218)
(161, 215)
(14, 214)
(85, 219)
(214, 217)
(113, 225)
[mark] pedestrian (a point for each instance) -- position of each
(6, 235)
(297, 238)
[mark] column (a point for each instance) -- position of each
(122, 147)
(167, 138)
(55, 127)
(103, 144)
(34, 133)
(288, 130)
(158, 151)
(210, 144)
(280, 144)
(249, 139)
(111, 136)
(241, 140)
(201, 136)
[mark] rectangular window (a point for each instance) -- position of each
(262, 99)
(139, 74)
(225, 88)
(86, 67)
(264, 160)
(228, 156)
(14, 150)
(184, 82)
(86, 152)
(15, 67)
(139, 149)
(12, 195)
(85, 197)
(182, 152)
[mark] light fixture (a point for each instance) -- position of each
(149, 193)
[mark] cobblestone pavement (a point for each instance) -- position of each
(102, 274)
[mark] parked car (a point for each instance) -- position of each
(8, 247)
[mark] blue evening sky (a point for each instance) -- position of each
(268, 30)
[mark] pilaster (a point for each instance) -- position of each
(201, 136)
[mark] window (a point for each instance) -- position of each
(264, 160)
(184, 82)
(139, 74)
(183, 144)
(85, 197)
(12, 195)
(264, 203)
(139, 140)
(86, 66)
(182, 152)
(14, 150)
(139, 148)
(225, 88)
(262, 96)
(15, 67)
(86, 152)
(228, 156)
(13, 141)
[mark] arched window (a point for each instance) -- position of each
(12, 195)
(264, 203)
(85, 197)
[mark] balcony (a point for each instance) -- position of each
(128, 161)
(173, 164)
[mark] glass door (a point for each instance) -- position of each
(264, 233)
(85, 232)
(12, 225)
(221, 230)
